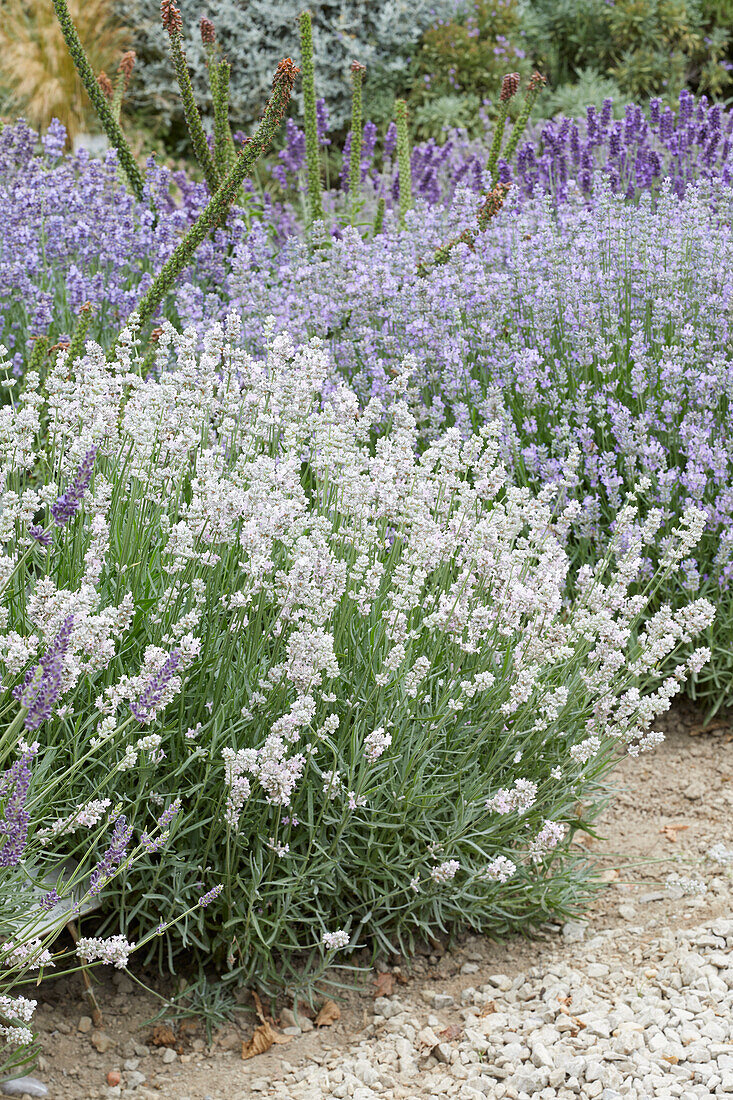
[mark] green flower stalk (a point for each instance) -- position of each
(208, 40)
(403, 159)
(81, 329)
(509, 88)
(312, 150)
(173, 24)
(357, 79)
(40, 347)
(221, 201)
(224, 151)
(535, 86)
(490, 207)
(124, 72)
(99, 101)
(378, 218)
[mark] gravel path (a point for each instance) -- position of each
(655, 1022)
(636, 1003)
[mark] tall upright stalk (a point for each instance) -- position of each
(403, 159)
(173, 24)
(312, 150)
(224, 151)
(99, 101)
(534, 87)
(357, 129)
(124, 72)
(509, 88)
(216, 211)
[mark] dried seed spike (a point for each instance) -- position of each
(171, 17)
(509, 87)
(285, 74)
(537, 81)
(105, 84)
(127, 64)
(208, 31)
(357, 67)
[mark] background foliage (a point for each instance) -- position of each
(256, 35)
(649, 47)
(37, 75)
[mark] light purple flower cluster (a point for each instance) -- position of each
(14, 786)
(66, 506)
(155, 690)
(113, 857)
(153, 843)
(210, 895)
(42, 683)
(71, 233)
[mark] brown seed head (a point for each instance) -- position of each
(155, 335)
(127, 64)
(509, 87)
(105, 84)
(357, 68)
(171, 17)
(537, 81)
(208, 31)
(285, 75)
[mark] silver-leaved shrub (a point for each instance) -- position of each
(381, 34)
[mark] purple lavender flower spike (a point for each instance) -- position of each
(153, 693)
(322, 123)
(153, 843)
(54, 139)
(207, 898)
(39, 534)
(113, 857)
(15, 784)
(67, 505)
(42, 683)
(49, 901)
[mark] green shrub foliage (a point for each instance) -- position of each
(649, 47)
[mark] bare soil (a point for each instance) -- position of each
(671, 807)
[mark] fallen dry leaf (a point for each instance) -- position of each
(671, 1058)
(565, 1000)
(259, 1009)
(329, 1014)
(578, 1023)
(451, 1033)
(695, 731)
(188, 1027)
(488, 1009)
(263, 1038)
(163, 1036)
(670, 831)
(384, 985)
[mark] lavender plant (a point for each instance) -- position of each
(353, 662)
(47, 878)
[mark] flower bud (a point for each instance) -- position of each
(171, 17)
(208, 31)
(509, 87)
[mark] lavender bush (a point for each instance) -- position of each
(351, 659)
(602, 325)
(46, 876)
